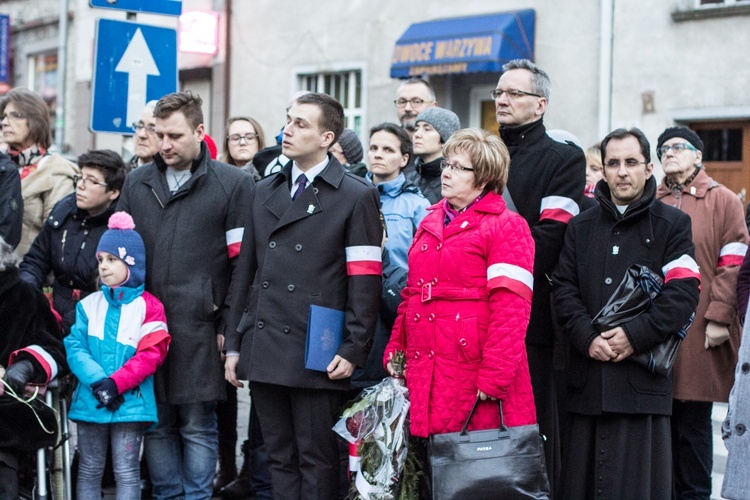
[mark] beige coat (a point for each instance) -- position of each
(718, 221)
(41, 190)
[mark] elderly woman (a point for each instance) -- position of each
(45, 178)
(31, 351)
(467, 301)
(243, 137)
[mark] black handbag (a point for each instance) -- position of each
(27, 424)
(634, 295)
(502, 463)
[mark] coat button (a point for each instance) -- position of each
(272, 244)
(260, 325)
(416, 355)
(424, 246)
(608, 281)
(56, 223)
(434, 281)
(463, 342)
(287, 329)
(745, 367)
(420, 282)
(416, 317)
(648, 240)
(431, 355)
(740, 429)
(439, 246)
(431, 317)
(290, 288)
(298, 247)
(266, 284)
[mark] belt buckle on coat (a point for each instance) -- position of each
(426, 292)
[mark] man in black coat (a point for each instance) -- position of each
(545, 181)
(313, 238)
(190, 211)
(619, 440)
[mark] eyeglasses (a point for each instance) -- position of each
(401, 103)
(629, 163)
(512, 94)
(236, 138)
(88, 181)
(150, 129)
(454, 166)
(12, 115)
(677, 147)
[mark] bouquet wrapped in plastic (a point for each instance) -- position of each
(376, 423)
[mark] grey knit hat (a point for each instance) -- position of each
(443, 120)
(351, 146)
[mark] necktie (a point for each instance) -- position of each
(301, 183)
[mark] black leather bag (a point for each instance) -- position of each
(27, 425)
(634, 295)
(502, 463)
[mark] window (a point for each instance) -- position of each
(345, 86)
(722, 144)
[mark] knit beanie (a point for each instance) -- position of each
(123, 242)
(351, 146)
(443, 120)
(683, 133)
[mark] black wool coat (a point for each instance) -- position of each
(11, 201)
(543, 170)
(189, 265)
(294, 255)
(600, 245)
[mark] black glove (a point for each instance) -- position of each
(116, 403)
(18, 375)
(105, 392)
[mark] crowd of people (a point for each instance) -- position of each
(483, 257)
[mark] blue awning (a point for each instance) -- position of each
(464, 45)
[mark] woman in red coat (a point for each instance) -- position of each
(466, 305)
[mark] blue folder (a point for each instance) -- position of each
(325, 332)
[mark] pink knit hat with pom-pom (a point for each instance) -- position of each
(123, 242)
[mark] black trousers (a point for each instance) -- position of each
(543, 385)
(8, 475)
(692, 449)
(301, 445)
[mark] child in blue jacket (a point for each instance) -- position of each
(118, 341)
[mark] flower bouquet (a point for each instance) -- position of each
(376, 423)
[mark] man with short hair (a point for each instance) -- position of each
(412, 97)
(619, 444)
(146, 144)
(545, 184)
(190, 211)
(313, 238)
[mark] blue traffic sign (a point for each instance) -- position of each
(167, 7)
(134, 64)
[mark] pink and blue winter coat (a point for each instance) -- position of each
(121, 333)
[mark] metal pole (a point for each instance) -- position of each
(62, 45)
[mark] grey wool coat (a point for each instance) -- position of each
(299, 253)
(735, 429)
(192, 240)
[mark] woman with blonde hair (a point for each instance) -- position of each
(467, 302)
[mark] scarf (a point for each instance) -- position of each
(451, 213)
(28, 159)
(673, 185)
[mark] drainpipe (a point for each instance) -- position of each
(62, 45)
(606, 39)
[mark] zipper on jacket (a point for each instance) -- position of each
(65, 235)
(157, 198)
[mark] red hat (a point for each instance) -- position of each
(212, 149)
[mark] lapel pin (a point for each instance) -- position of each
(464, 224)
(310, 209)
(615, 250)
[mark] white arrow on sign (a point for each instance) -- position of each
(138, 63)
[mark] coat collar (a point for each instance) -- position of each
(697, 188)
(279, 201)
(156, 179)
(491, 203)
(523, 134)
(603, 196)
(120, 295)
(391, 188)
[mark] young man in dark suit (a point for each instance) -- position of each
(313, 238)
